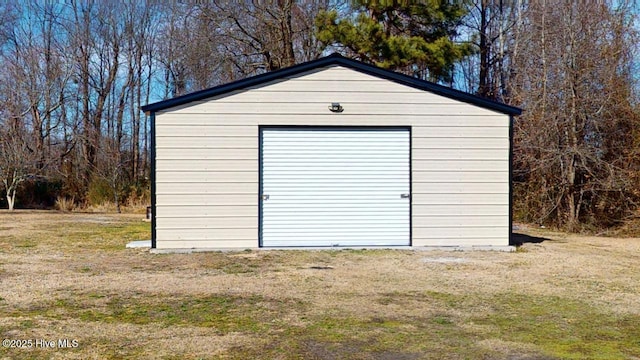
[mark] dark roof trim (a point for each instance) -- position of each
(335, 59)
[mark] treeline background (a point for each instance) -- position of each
(73, 75)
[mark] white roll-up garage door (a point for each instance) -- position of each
(335, 187)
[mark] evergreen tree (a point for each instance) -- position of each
(415, 38)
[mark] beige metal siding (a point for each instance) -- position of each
(207, 158)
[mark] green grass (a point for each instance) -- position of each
(560, 328)
(84, 236)
(564, 328)
(110, 237)
(225, 313)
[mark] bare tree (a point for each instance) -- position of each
(139, 38)
(113, 169)
(493, 26)
(8, 16)
(266, 36)
(175, 33)
(17, 163)
(74, 75)
(260, 34)
(41, 71)
(575, 145)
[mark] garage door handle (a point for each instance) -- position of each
(265, 197)
(404, 196)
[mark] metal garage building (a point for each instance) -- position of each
(330, 153)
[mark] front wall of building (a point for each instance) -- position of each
(207, 158)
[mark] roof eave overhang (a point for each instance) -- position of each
(334, 59)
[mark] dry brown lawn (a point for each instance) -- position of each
(68, 276)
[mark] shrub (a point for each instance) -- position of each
(38, 193)
(65, 204)
(99, 192)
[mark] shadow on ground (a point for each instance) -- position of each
(521, 239)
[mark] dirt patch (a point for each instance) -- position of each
(445, 260)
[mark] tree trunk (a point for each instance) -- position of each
(485, 52)
(11, 198)
(116, 199)
(287, 34)
(11, 191)
(572, 221)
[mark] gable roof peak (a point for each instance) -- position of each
(334, 59)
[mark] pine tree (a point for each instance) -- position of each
(415, 38)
